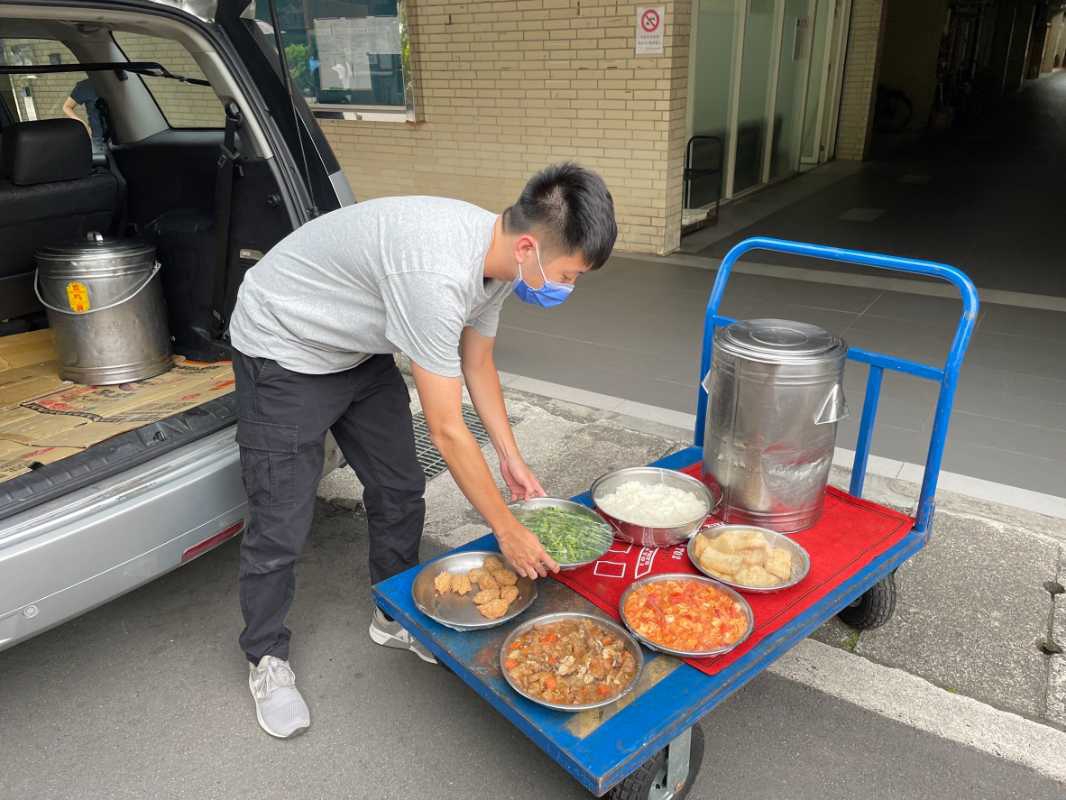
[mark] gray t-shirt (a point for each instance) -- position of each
(396, 274)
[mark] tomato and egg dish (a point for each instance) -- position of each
(685, 614)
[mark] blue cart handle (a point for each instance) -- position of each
(947, 375)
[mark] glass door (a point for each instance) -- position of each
(752, 131)
(714, 49)
(794, 65)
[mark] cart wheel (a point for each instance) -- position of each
(650, 781)
(874, 608)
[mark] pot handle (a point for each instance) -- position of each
(37, 291)
(834, 407)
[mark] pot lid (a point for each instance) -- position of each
(779, 341)
(94, 246)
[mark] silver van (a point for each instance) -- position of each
(201, 146)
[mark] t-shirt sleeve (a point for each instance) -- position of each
(488, 321)
(81, 92)
(424, 319)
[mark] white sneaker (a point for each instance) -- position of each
(279, 706)
(392, 634)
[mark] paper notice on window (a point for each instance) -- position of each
(345, 46)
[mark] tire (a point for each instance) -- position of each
(646, 782)
(874, 608)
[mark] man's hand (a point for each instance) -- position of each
(520, 479)
(524, 552)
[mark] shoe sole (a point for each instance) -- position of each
(385, 640)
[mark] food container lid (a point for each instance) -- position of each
(96, 246)
(779, 341)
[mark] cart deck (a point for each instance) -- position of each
(602, 747)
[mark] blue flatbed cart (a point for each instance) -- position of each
(648, 745)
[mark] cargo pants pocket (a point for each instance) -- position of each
(268, 461)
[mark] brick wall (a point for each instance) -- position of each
(504, 88)
(860, 79)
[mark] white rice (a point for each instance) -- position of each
(652, 505)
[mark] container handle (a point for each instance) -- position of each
(37, 291)
(835, 407)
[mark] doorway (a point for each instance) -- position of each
(763, 96)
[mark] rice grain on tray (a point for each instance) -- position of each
(652, 505)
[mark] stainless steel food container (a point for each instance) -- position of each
(603, 544)
(105, 305)
(654, 537)
(561, 616)
(682, 576)
(801, 560)
(775, 395)
(459, 612)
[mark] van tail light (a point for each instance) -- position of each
(212, 541)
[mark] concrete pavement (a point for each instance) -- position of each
(146, 696)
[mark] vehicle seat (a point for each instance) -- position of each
(49, 194)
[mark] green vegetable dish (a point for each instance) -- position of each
(569, 536)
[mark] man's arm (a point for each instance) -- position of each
(68, 109)
(442, 405)
(483, 383)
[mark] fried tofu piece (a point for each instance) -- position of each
(504, 577)
(720, 563)
(486, 581)
(492, 564)
(486, 595)
(755, 556)
(756, 576)
(729, 542)
(750, 539)
(443, 582)
(460, 584)
(509, 594)
(779, 563)
(494, 609)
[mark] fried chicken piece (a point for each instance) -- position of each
(486, 595)
(494, 609)
(504, 577)
(486, 581)
(509, 594)
(460, 584)
(475, 575)
(492, 564)
(443, 582)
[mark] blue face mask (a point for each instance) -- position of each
(548, 295)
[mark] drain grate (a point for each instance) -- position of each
(428, 456)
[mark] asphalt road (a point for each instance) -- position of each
(146, 697)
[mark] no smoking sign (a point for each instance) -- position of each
(649, 40)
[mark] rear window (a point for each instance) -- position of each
(30, 97)
(184, 105)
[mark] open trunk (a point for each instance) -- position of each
(158, 170)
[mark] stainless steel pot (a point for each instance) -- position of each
(105, 305)
(647, 536)
(775, 396)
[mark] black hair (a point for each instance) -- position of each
(571, 206)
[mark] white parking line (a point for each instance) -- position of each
(915, 702)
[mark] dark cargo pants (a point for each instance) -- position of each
(283, 417)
